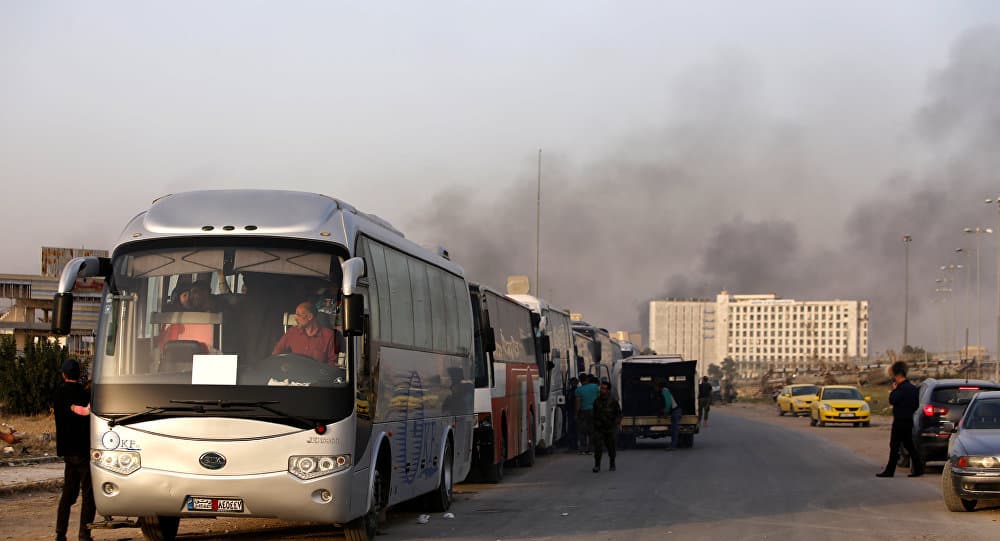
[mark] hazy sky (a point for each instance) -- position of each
(748, 111)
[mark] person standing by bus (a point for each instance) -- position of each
(586, 393)
(607, 417)
(72, 413)
(569, 409)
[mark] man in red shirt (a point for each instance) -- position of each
(309, 338)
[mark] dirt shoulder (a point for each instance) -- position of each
(868, 442)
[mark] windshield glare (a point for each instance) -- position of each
(233, 316)
(842, 394)
(802, 391)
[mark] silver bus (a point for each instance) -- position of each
(274, 354)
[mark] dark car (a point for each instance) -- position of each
(972, 472)
(942, 400)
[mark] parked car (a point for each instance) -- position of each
(796, 399)
(840, 404)
(941, 401)
(972, 472)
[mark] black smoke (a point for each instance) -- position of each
(725, 195)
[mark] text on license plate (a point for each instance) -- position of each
(847, 415)
(226, 505)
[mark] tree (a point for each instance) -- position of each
(28, 383)
(714, 371)
(729, 370)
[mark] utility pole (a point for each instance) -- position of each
(538, 228)
(907, 239)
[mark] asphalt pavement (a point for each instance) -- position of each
(743, 479)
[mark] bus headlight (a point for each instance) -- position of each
(313, 466)
(123, 462)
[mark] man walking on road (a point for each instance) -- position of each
(586, 393)
(704, 400)
(673, 410)
(904, 402)
(72, 413)
(607, 419)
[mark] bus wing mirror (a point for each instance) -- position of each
(489, 340)
(597, 351)
(62, 301)
(545, 344)
(354, 309)
(353, 270)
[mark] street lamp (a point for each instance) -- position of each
(944, 299)
(978, 232)
(907, 239)
(950, 268)
(996, 362)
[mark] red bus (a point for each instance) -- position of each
(506, 370)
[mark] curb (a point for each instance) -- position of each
(17, 462)
(49, 485)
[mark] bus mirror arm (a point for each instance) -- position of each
(353, 269)
(62, 301)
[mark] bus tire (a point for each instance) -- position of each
(440, 499)
(365, 527)
(159, 528)
(527, 458)
(685, 441)
(494, 472)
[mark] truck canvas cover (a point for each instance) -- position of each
(639, 379)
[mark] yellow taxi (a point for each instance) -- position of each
(796, 399)
(840, 404)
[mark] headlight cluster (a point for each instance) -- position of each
(864, 407)
(313, 466)
(123, 462)
(826, 407)
(981, 462)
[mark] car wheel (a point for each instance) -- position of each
(820, 423)
(812, 421)
(952, 501)
(866, 424)
(781, 412)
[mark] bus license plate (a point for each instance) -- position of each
(847, 415)
(225, 505)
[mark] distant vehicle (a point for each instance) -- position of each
(973, 468)
(596, 351)
(635, 380)
(840, 404)
(556, 366)
(942, 401)
(716, 390)
(796, 399)
(506, 368)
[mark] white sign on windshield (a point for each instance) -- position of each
(214, 370)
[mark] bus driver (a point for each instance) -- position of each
(308, 337)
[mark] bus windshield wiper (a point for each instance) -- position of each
(300, 422)
(156, 410)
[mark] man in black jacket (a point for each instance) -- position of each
(72, 413)
(904, 402)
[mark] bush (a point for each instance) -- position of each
(28, 383)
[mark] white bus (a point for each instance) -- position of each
(274, 354)
(558, 365)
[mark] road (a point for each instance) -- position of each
(744, 479)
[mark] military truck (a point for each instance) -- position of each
(635, 379)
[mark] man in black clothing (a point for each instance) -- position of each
(72, 412)
(904, 402)
(569, 410)
(607, 417)
(704, 400)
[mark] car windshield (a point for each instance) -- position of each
(842, 394)
(984, 414)
(955, 396)
(807, 390)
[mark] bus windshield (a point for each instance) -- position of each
(223, 323)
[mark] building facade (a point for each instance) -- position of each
(763, 332)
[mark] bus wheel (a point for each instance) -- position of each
(440, 499)
(494, 472)
(527, 458)
(159, 528)
(365, 527)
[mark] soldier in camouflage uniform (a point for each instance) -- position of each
(607, 419)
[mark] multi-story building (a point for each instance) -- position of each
(762, 332)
